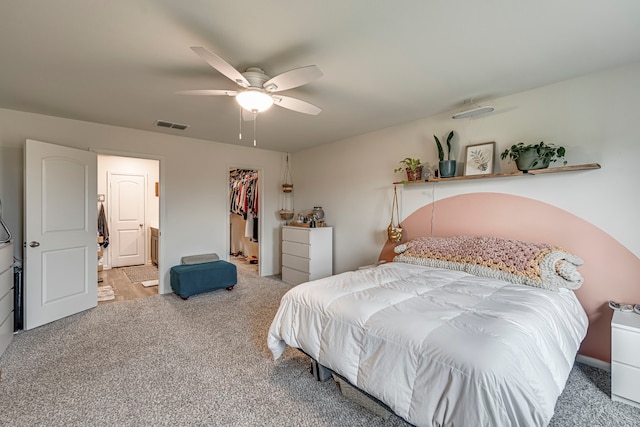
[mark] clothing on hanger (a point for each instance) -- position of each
(103, 228)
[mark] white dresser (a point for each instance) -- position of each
(6, 295)
(625, 358)
(307, 253)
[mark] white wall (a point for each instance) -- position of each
(194, 182)
(596, 117)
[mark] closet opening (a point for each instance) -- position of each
(244, 219)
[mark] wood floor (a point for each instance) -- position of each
(122, 286)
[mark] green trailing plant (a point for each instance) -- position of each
(547, 153)
(408, 163)
(441, 150)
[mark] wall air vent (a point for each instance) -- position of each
(166, 124)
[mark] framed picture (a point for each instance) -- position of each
(478, 159)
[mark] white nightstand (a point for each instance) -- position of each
(625, 358)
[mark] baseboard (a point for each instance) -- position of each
(596, 363)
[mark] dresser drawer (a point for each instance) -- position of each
(297, 249)
(294, 277)
(6, 327)
(299, 235)
(6, 305)
(625, 346)
(6, 283)
(296, 262)
(6, 256)
(624, 381)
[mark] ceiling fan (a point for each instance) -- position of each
(258, 92)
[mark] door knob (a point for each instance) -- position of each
(34, 244)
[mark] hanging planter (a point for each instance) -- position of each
(287, 182)
(285, 214)
(287, 188)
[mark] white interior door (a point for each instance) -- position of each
(127, 213)
(61, 221)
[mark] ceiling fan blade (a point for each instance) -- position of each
(208, 92)
(296, 105)
(293, 78)
(221, 65)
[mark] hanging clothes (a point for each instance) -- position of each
(243, 205)
(243, 185)
(103, 228)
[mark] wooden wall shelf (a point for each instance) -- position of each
(587, 166)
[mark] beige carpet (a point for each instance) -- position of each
(164, 361)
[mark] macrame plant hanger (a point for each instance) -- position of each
(286, 213)
(394, 231)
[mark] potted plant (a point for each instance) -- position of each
(413, 167)
(534, 156)
(447, 167)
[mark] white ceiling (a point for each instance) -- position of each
(121, 62)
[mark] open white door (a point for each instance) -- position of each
(61, 221)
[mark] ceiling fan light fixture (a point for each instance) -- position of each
(476, 111)
(258, 87)
(254, 101)
(472, 113)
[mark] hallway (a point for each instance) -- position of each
(123, 288)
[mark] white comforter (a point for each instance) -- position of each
(439, 347)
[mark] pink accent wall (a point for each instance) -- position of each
(610, 270)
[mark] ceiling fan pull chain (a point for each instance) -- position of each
(255, 119)
(240, 134)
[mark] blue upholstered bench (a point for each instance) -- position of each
(192, 279)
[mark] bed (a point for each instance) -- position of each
(453, 332)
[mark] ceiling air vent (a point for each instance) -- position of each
(166, 124)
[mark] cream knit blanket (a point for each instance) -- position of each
(535, 264)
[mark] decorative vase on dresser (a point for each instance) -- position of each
(307, 253)
(6, 295)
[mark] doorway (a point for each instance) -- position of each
(244, 219)
(128, 265)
